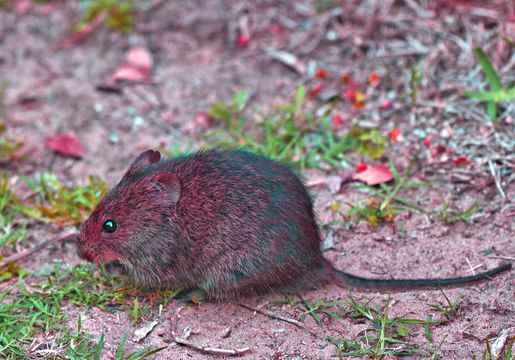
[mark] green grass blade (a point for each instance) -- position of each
(491, 110)
(488, 69)
(121, 347)
(98, 350)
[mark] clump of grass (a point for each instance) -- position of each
(371, 212)
(450, 309)
(27, 310)
(386, 336)
(52, 201)
(321, 306)
(448, 215)
(387, 203)
(8, 146)
(136, 355)
(11, 233)
(117, 14)
(299, 133)
(497, 93)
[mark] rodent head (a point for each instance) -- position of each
(131, 214)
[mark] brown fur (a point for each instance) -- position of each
(229, 223)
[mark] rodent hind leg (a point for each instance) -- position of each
(191, 296)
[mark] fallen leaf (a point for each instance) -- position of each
(22, 6)
(315, 91)
(427, 142)
(337, 121)
(243, 40)
(138, 66)
(345, 78)
(374, 175)
(462, 161)
(129, 73)
(374, 78)
(361, 167)
(141, 59)
(141, 333)
(387, 105)
(288, 59)
(202, 120)
(394, 134)
(66, 145)
(321, 74)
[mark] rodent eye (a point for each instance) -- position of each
(109, 226)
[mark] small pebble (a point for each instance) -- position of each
(322, 344)
(421, 134)
(132, 111)
(137, 122)
(98, 107)
(114, 138)
(331, 35)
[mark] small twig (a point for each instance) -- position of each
(497, 178)
(511, 258)
(272, 315)
(471, 268)
(66, 235)
(204, 349)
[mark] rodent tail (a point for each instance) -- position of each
(346, 280)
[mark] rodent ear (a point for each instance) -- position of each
(143, 160)
(167, 185)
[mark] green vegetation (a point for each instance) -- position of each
(52, 201)
(7, 146)
(450, 309)
(117, 15)
(26, 310)
(386, 336)
(448, 215)
(299, 133)
(497, 93)
(375, 211)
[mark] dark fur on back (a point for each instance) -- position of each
(243, 224)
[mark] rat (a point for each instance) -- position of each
(229, 223)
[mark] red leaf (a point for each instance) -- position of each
(345, 78)
(374, 175)
(394, 134)
(440, 149)
(138, 66)
(462, 161)
(66, 145)
(243, 40)
(387, 105)
(315, 91)
(427, 142)
(130, 73)
(22, 6)
(321, 74)
(337, 121)
(202, 120)
(350, 95)
(141, 59)
(361, 167)
(374, 78)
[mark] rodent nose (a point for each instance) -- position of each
(83, 253)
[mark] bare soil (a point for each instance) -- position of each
(197, 62)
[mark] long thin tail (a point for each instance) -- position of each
(344, 279)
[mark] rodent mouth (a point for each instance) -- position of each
(84, 254)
